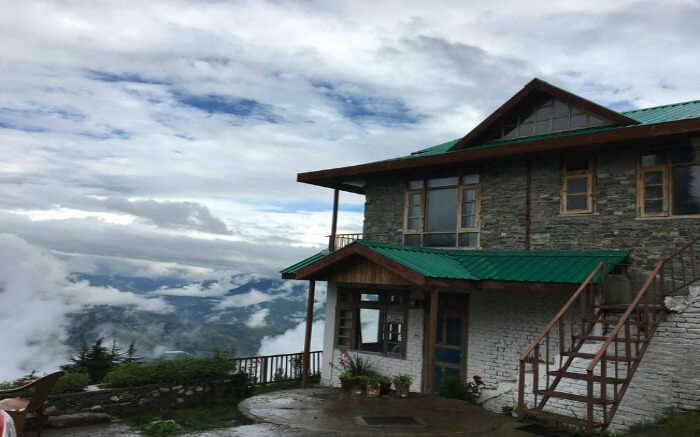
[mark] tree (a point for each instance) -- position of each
(98, 361)
(78, 362)
(116, 353)
(131, 356)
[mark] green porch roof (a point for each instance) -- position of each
(655, 115)
(569, 267)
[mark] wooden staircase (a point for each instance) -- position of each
(578, 369)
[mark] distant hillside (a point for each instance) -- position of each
(207, 315)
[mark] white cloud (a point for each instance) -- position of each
(35, 300)
(292, 341)
(257, 319)
(252, 297)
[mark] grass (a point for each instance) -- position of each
(674, 423)
(218, 411)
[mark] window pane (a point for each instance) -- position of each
(443, 182)
(653, 160)
(415, 199)
(454, 332)
(577, 165)
(653, 178)
(686, 190)
(468, 208)
(369, 297)
(526, 129)
(576, 202)
(416, 185)
(470, 179)
(412, 224)
(468, 195)
(653, 206)
(653, 192)
(439, 240)
(561, 123)
(414, 211)
(369, 332)
(577, 185)
(578, 121)
(560, 108)
(468, 221)
(543, 127)
(468, 239)
(685, 154)
(440, 214)
(412, 240)
(395, 299)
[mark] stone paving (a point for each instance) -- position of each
(323, 412)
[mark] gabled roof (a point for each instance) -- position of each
(659, 121)
(418, 264)
(535, 86)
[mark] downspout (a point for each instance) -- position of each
(334, 222)
(528, 203)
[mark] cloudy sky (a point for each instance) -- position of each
(170, 132)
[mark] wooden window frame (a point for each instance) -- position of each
(567, 175)
(666, 170)
(459, 228)
(355, 304)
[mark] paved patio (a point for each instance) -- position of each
(323, 412)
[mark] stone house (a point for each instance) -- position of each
(552, 251)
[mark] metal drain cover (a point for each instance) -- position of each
(389, 421)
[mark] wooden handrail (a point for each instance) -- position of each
(562, 312)
(625, 316)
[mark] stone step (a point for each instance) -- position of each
(573, 397)
(623, 307)
(78, 419)
(603, 338)
(591, 356)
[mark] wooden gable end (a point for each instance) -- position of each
(541, 109)
(358, 270)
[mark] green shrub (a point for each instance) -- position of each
(160, 427)
(71, 383)
(453, 388)
(161, 371)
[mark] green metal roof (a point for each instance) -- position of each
(655, 115)
(571, 267)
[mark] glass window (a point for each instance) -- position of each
(443, 182)
(415, 185)
(439, 240)
(577, 191)
(469, 239)
(686, 190)
(412, 240)
(470, 179)
(372, 322)
(653, 160)
(440, 209)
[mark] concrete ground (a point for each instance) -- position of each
(323, 412)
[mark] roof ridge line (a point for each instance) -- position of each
(661, 106)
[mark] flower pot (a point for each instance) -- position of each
(373, 391)
(385, 389)
(346, 384)
(402, 390)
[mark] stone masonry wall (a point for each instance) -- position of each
(411, 365)
(129, 400)
(614, 225)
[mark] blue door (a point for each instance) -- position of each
(451, 338)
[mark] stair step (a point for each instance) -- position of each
(603, 338)
(613, 321)
(572, 397)
(623, 307)
(591, 356)
(583, 376)
(559, 418)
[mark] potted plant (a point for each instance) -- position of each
(402, 384)
(360, 384)
(384, 385)
(347, 381)
(373, 387)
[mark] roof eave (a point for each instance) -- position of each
(332, 178)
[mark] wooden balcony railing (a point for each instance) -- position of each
(278, 368)
(341, 240)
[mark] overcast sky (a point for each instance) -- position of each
(170, 132)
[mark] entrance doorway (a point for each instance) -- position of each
(451, 338)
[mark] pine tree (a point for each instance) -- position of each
(98, 361)
(131, 356)
(78, 362)
(116, 354)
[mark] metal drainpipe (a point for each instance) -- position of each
(334, 222)
(528, 203)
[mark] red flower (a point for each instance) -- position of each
(331, 364)
(478, 380)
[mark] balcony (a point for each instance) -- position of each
(339, 241)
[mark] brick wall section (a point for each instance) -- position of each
(411, 365)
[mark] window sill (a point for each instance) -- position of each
(376, 354)
(578, 214)
(670, 217)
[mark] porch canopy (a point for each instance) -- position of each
(371, 262)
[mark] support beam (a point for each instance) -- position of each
(307, 338)
(432, 334)
(334, 222)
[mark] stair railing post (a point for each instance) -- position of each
(589, 403)
(604, 387)
(536, 372)
(521, 391)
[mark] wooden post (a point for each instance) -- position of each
(334, 222)
(307, 339)
(432, 334)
